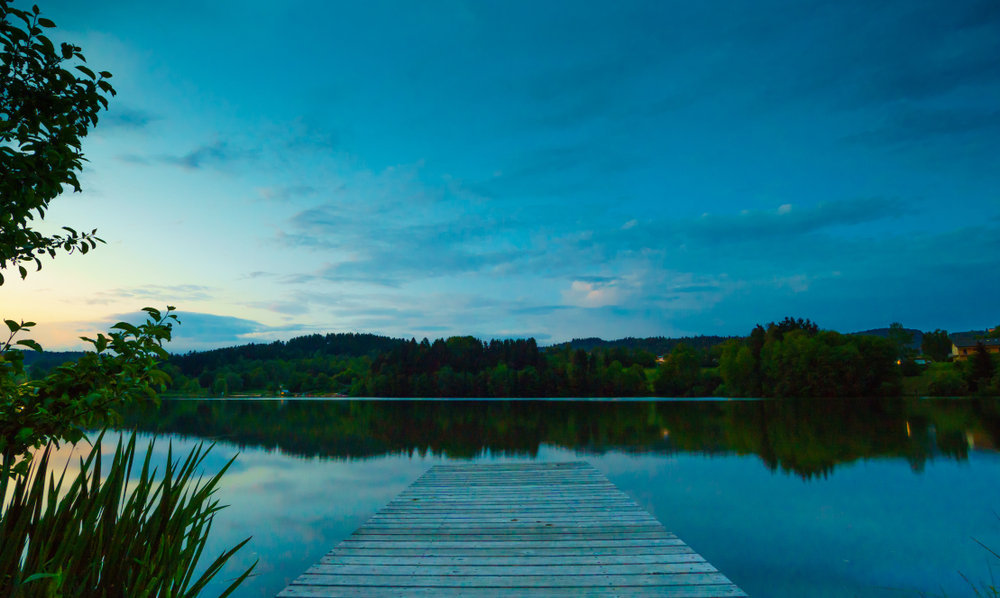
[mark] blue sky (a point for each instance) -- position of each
(549, 169)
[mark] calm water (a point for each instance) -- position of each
(803, 498)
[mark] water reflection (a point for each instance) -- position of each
(788, 499)
(807, 438)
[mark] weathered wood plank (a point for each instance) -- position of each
(583, 536)
(515, 526)
(476, 544)
(513, 581)
(506, 530)
(578, 551)
(492, 561)
(702, 591)
(504, 570)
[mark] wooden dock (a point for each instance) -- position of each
(505, 530)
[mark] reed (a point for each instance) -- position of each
(104, 533)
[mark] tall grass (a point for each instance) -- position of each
(94, 536)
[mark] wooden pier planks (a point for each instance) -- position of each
(511, 530)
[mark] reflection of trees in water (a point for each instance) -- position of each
(807, 437)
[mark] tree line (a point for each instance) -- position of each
(789, 358)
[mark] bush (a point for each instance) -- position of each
(950, 385)
(910, 368)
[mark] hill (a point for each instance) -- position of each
(340, 344)
(918, 336)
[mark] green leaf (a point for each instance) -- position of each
(14, 326)
(30, 344)
(126, 327)
(46, 23)
(85, 71)
(37, 576)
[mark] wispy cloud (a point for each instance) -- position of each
(286, 193)
(216, 155)
(159, 293)
(124, 117)
(202, 330)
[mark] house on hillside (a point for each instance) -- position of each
(961, 349)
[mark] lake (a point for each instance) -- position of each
(866, 498)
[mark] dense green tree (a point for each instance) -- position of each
(901, 338)
(936, 345)
(981, 368)
(91, 538)
(49, 99)
(778, 330)
(803, 363)
(739, 369)
(679, 373)
(45, 112)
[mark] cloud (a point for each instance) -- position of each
(158, 293)
(123, 117)
(133, 159)
(593, 294)
(538, 310)
(943, 125)
(282, 307)
(308, 136)
(789, 221)
(257, 274)
(286, 193)
(215, 155)
(199, 331)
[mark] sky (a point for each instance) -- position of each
(549, 169)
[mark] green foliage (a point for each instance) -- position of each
(980, 370)
(45, 111)
(679, 373)
(653, 346)
(777, 331)
(948, 385)
(739, 369)
(936, 345)
(910, 368)
(123, 368)
(798, 360)
(108, 533)
(901, 339)
(92, 538)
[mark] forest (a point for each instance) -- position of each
(789, 358)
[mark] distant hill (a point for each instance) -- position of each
(41, 364)
(967, 336)
(58, 357)
(657, 345)
(341, 344)
(918, 336)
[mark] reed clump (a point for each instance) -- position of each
(107, 533)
